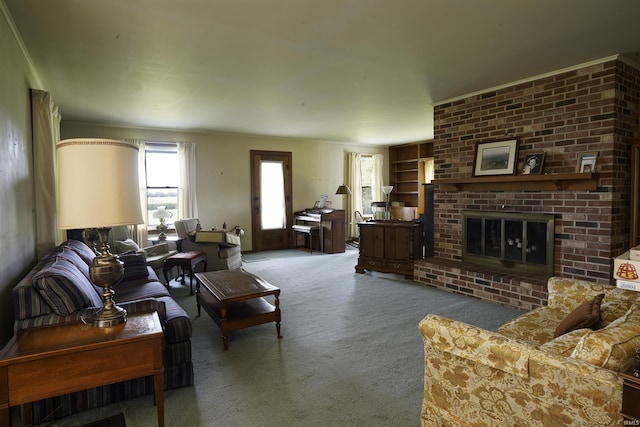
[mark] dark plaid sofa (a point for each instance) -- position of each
(58, 290)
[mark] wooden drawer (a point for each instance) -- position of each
(371, 262)
(398, 266)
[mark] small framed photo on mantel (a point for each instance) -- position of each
(586, 162)
(533, 164)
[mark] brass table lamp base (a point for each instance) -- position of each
(105, 271)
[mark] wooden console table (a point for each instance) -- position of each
(390, 246)
(51, 361)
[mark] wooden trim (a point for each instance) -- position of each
(552, 182)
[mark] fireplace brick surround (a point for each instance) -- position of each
(592, 108)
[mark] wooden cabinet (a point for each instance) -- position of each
(407, 172)
(631, 397)
(390, 246)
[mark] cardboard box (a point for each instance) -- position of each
(630, 286)
(625, 268)
(634, 253)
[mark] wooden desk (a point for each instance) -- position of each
(51, 361)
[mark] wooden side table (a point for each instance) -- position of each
(630, 397)
(51, 361)
(184, 261)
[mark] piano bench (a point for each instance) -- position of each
(310, 230)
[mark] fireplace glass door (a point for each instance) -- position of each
(515, 242)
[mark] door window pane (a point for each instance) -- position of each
(273, 211)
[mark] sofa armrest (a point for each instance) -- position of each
(477, 377)
(477, 344)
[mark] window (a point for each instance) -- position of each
(163, 179)
(367, 178)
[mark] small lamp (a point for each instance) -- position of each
(98, 189)
(162, 214)
(343, 189)
(386, 189)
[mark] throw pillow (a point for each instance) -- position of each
(585, 315)
(135, 266)
(128, 245)
(65, 288)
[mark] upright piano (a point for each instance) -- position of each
(331, 228)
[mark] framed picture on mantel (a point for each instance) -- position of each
(496, 158)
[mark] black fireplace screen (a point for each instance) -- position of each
(518, 242)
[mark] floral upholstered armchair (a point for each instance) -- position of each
(528, 372)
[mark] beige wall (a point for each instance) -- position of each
(223, 168)
(17, 229)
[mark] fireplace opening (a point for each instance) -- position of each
(510, 241)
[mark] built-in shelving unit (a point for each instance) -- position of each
(552, 182)
(406, 172)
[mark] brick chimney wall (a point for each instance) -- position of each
(595, 108)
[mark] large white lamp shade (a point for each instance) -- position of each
(97, 183)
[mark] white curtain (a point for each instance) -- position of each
(378, 179)
(354, 204)
(354, 180)
(141, 230)
(187, 202)
(45, 122)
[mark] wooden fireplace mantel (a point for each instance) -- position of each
(552, 182)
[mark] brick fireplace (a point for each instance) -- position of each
(594, 108)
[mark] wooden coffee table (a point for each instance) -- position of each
(235, 299)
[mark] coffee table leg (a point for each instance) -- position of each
(223, 327)
(277, 310)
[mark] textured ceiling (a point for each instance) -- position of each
(347, 70)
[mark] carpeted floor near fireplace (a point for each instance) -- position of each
(351, 353)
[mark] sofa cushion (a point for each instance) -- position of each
(536, 326)
(74, 258)
(65, 288)
(585, 315)
(613, 346)
(86, 253)
(565, 343)
(135, 266)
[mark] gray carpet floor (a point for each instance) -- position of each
(351, 353)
